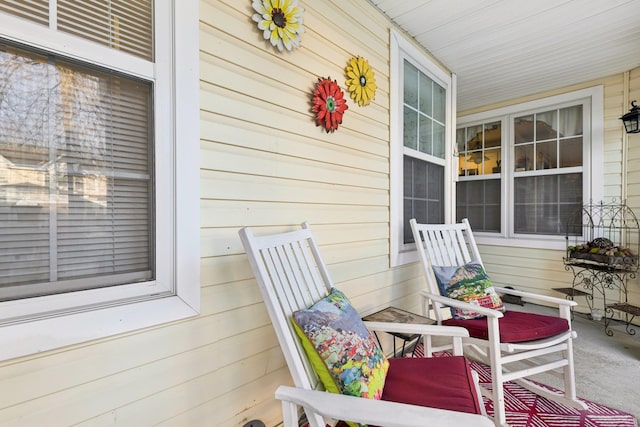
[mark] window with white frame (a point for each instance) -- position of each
(420, 132)
(523, 170)
(90, 168)
(478, 192)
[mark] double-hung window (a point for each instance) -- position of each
(525, 169)
(420, 145)
(95, 133)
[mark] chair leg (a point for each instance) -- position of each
(566, 397)
(570, 379)
(289, 414)
(569, 373)
(497, 379)
(499, 413)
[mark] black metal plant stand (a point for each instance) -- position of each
(602, 253)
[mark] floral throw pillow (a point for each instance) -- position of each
(471, 284)
(340, 347)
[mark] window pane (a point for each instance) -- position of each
(492, 161)
(570, 121)
(523, 129)
(546, 191)
(571, 189)
(546, 125)
(479, 201)
(571, 152)
(474, 162)
(549, 142)
(411, 78)
(77, 176)
(407, 182)
(546, 155)
(435, 189)
(467, 166)
(426, 95)
(439, 103)
(524, 158)
(474, 138)
(438, 140)
(492, 135)
(460, 139)
(408, 206)
(419, 182)
(481, 153)
(423, 193)
(120, 24)
(410, 132)
(426, 135)
(543, 203)
(421, 101)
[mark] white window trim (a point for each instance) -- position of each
(400, 49)
(39, 324)
(593, 166)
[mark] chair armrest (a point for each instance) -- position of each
(531, 295)
(414, 328)
(376, 412)
(463, 305)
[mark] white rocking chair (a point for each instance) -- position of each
(540, 343)
(292, 276)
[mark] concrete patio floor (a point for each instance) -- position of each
(607, 368)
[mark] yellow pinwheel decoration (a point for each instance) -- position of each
(360, 81)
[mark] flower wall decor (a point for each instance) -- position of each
(280, 21)
(360, 81)
(328, 104)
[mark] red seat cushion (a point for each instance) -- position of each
(439, 382)
(515, 326)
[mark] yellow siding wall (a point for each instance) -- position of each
(265, 164)
(540, 270)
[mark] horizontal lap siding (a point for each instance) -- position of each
(613, 132)
(267, 165)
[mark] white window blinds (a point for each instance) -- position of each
(33, 10)
(76, 176)
(120, 24)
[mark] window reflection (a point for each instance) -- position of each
(479, 149)
(54, 131)
(548, 140)
(424, 113)
(76, 175)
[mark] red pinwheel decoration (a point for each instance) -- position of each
(328, 104)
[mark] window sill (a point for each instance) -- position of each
(532, 242)
(33, 337)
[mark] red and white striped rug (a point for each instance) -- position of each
(526, 409)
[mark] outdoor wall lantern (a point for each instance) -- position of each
(632, 119)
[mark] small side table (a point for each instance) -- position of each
(397, 315)
(572, 293)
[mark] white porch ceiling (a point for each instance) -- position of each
(504, 49)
